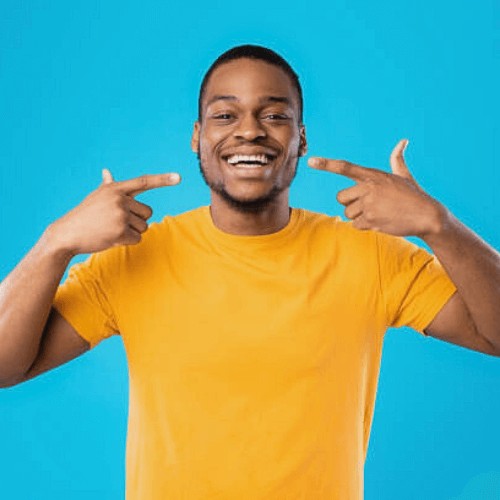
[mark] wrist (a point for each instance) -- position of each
(440, 222)
(55, 243)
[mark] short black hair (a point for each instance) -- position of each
(256, 52)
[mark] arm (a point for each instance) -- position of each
(474, 267)
(34, 337)
(395, 204)
(25, 304)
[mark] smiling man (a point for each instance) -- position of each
(253, 330)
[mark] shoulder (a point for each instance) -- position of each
(152, 245)
(341, 237)
(177, 222)
(345, 233)
(320, 225)
(163, 230)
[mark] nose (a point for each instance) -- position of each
(249, 128)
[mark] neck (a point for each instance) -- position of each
(270, 219)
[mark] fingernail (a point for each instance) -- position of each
(314, 162)
(175, 177)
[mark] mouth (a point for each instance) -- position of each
(244, 161)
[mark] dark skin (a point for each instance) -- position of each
(259, 113)
(389, 202)
(249, 107)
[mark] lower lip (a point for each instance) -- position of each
(250, 169)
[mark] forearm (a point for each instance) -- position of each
(474, 268)
(26, 296)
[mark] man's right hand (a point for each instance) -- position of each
(109, 216)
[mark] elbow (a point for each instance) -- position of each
(5, 383)
(495, 348)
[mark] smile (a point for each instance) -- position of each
(249, 161)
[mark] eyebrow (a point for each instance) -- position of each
(270, 98)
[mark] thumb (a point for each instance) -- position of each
(398, 164)
(107, 178)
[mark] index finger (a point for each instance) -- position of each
(138, 185)
(342, 167)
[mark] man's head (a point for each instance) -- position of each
(249, 134)
(257, 53)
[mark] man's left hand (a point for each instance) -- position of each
(389, 202)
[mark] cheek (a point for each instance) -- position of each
(211, 139)
(290, 136)
(209, 145)
(293, 145)
(204, 150)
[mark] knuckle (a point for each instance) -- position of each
(369, 215)
(119, 228)
(370, 184)
(116, 198)
(369, 197)
(122, 218)
(112, 191)
(372, 192)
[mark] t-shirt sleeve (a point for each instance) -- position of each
(414, 285)
(85, 299)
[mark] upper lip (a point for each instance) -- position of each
(249, 152)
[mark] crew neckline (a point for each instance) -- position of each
(250, 239)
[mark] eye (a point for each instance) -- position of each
(222, 116)
(275, 116)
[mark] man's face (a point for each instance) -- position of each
(249, 139)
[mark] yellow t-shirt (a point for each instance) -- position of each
(253, 360)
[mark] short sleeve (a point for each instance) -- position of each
(414, 285)
(84, 299)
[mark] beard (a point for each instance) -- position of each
(253, 206)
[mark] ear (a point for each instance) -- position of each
(195, 138)
(303, 141)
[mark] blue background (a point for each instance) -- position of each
(86, 85)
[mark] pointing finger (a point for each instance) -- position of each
(107, 178)
(133, 187)
(342, 167)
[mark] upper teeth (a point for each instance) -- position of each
(250, 158)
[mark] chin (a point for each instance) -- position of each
(244, 204)
(249, 205)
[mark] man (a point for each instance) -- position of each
(253, 330)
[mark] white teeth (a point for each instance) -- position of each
(234, 159)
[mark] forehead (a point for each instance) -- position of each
(250, 80)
